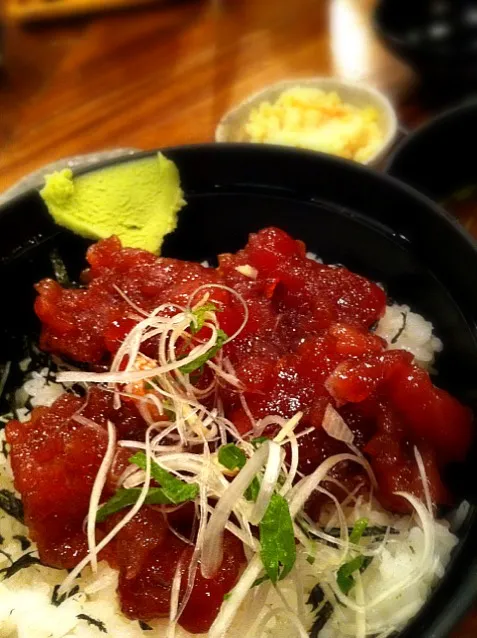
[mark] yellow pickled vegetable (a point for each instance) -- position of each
(311, 118)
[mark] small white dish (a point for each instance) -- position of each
(231, 126)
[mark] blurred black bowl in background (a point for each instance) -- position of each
(437, 38)
(437, 158)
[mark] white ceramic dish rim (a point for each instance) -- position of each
(376, 98)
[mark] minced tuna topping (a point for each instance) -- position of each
(231, 435)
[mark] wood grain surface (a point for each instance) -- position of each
(27, 10)
(164, 75)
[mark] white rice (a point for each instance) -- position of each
(406, 330)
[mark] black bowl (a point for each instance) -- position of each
(435, 158)
(438, 38)
(345, 213)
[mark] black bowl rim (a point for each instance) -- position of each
(272, 149)
(426, 129)
(466, 593)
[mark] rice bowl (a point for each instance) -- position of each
(402, 299)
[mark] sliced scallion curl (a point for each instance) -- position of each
(99, 483)
(303, 490)
(268, 483)
(334, 425)
(212, 552)
(235, 599)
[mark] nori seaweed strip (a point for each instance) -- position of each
(316, 599)
(366, 563)
(51, 372)
(4, 377)
(59, 269)
(24, 542)
(6, 554)
(2, 540)
(38, 358)
(12, 505)
(25, 561)
(57, 600)
(4, 450)
(321, 619)
(401, 329)
(92, 621)
(144, 626)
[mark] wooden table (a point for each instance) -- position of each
(163, 76)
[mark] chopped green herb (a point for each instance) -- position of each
(92, 621)
(232, 457)
(25, 561)
(211, 352)
(311, 560)
(59, 269)
(57, 600)
(12, 505)
(259, 581)
(277, 539)
(24, 542)
(155, 496)
(251, 493)
(144, 626)
(175, 490)
(345, 578)
(358, 530)
(258, 441)
(199, 316)
(195, 376)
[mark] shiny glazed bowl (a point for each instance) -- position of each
(346, 214)
(437, 38)
(433, 158)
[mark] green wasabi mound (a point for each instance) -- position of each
(138, 201)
